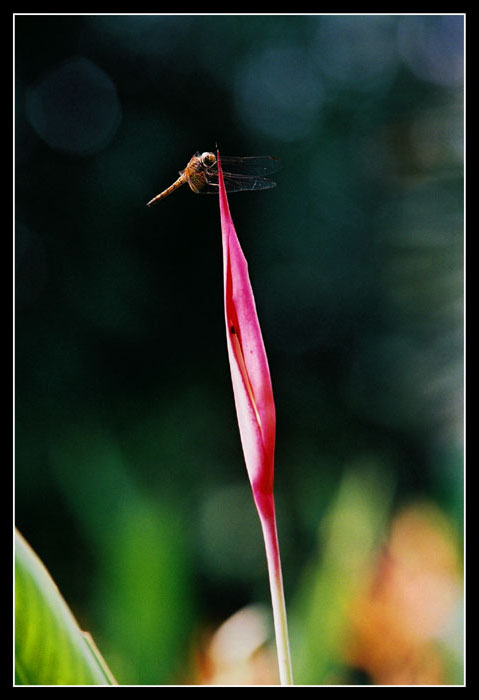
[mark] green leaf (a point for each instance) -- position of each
(50, 648)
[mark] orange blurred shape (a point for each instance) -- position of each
(237, 653)
(398, 622)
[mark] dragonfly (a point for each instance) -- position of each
(239, 174)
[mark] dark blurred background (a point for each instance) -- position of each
(130, 482)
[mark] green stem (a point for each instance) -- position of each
(268, 524)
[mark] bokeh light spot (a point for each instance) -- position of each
(279, 94)
(75, 107)
(357, 52)
(433, 48)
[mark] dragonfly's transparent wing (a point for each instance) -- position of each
(251, 165)
(235, 183)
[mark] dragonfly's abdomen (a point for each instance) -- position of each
(181, 181)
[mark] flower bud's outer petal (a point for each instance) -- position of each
(247, 357)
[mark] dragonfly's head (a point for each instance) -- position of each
(208, 159)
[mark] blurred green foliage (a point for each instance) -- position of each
(351, 529)
(50, 648)
(130, 482)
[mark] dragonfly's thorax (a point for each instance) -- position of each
(195, 171)
(197, 180)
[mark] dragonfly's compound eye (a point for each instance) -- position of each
(208, 159)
